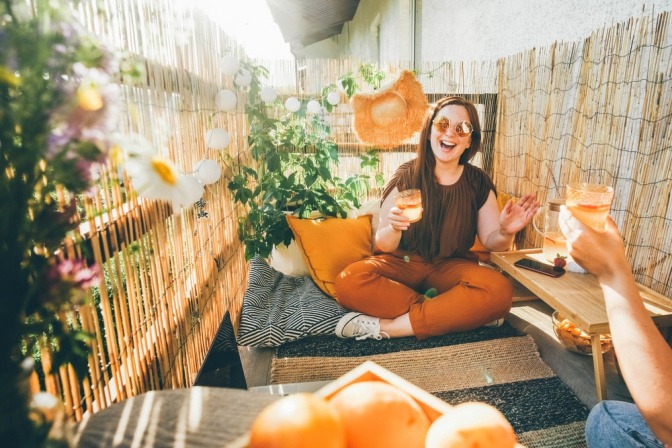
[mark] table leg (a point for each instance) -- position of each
(598, 367)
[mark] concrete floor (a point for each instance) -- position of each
(533, 317)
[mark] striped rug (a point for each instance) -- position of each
(499, 366)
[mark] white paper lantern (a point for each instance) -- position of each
(217, 138)
(207, 171)
(313, 107)
(243, 78)
(226, 100)
(193, 190)
(229, 65)
(268, 94)
(334, 98)
(292, 104)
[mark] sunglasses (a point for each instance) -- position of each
(462, 129)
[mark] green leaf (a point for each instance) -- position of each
(273, 163)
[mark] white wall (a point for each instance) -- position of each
(358, 40)
(490, 29)
(324, 49)
(453, 30)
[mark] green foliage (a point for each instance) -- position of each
(349, 84)
(57, 97)
(293, 158)
(372, 75)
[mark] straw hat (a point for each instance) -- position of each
(392, 114)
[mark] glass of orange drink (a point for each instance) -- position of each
(410, 202)
(589, 203)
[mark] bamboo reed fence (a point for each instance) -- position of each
(597, 110)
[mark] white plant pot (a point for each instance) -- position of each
(289, 260)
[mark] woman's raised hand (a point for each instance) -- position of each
(517, 214)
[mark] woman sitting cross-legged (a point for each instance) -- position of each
(387, 290)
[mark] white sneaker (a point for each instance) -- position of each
(359, 326)
(495, 323)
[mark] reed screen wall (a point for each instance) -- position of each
(597, 110)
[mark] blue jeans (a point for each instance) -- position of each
(618, 424)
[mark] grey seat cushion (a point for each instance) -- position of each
(278, 308)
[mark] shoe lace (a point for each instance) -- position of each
(367, 329)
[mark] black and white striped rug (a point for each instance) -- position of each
(499, 366)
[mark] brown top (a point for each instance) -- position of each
(450, 213)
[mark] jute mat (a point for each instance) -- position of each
(499, 366)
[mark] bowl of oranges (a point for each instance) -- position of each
(576, 339)
(371, 407)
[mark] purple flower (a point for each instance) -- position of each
(77, 273)
(90, 110)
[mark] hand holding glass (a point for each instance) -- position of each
(589, 203)
(410, 202)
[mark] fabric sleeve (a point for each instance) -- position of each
(484, 184)
(401, 178)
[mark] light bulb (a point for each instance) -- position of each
(217, 138)
(334, 98)
(268, 94)
(313, 107)
(243, 78)
(193, 190)
(292, 104)
(229, 65)
(207, 171)
(226, 100)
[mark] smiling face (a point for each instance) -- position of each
(448, 146)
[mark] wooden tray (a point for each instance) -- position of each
(370, 371)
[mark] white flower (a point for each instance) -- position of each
(22, 12)
(156, 177)
(130, 145)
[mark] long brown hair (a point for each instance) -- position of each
(423, 236)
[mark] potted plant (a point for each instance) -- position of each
(290, 171)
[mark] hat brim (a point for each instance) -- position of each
(402, 124)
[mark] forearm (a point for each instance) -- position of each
(644, 356)
(387, 239)
(499, 240)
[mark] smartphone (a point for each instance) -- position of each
(538, 266)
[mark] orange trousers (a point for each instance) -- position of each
(387, 286)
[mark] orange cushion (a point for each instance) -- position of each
(330, 244)
(478, 248)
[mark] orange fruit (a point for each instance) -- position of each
(471, 425)
(298, 420)
(377, 414)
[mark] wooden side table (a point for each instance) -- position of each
(579, 298)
